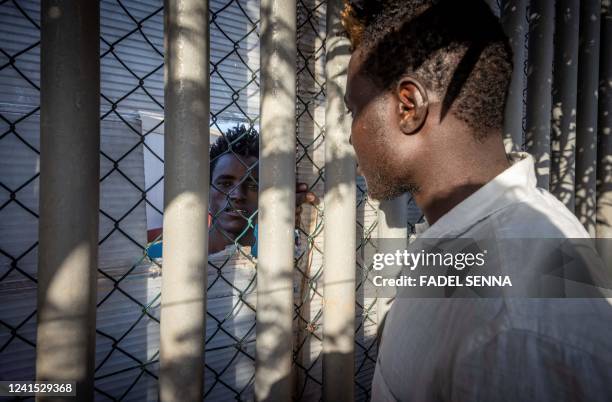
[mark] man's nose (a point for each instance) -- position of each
(237, 193)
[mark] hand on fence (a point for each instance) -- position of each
(302, 195)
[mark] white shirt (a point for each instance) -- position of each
(511, 349)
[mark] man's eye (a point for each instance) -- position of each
(223, 184)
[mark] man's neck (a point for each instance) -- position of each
(455, 183)
(218, 241)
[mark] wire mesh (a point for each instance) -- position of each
(127, 358)
(19, 153)
(310, 114)
(131, 207)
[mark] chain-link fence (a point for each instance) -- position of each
(19, 155)
(131, 204)
(131, 183)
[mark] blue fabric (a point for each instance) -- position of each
(254, 248)
(155, 250)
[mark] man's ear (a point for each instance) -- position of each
(413, 105)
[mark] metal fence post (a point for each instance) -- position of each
(513, 17)
(276, 220)
(565, 83)
(604, 151)
(69, 193)
(340, 216)
(586, 114)
(392, 224)
(539, 82)
(186, 172)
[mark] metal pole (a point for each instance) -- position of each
(565, 83)
(586, 118)
(513, 17)
(69, 194)
(539, 84)
(186, 172)
(276, 221)
(392, 230)
(604, 162)
(340, 217)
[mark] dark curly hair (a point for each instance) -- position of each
(457, 48)
(239, 140)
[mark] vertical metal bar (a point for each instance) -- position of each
(69, 193)
(276, 221)
(186, 188)
(539, 84)
(565, 83)
(513, 17)
(604, 161)
(340, 216)
(586, 118)
(392, 224)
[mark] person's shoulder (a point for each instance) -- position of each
(564, 362)
(538, 215)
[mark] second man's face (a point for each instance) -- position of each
(234, 193)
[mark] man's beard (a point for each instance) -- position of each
(384, 188)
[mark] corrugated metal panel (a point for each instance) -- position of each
(18, 238)
(120, 251)
(121, 199)
(18, 166)
(19, 228)
(127, 341)
(20, 163)
(229, 73)
(234, 64)
(16, 35)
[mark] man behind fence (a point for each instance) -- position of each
(234, 190)
(427, 84)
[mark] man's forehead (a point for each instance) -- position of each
(352, 72)
(233, 163)
(358, 84)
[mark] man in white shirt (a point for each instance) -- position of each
(427, 84)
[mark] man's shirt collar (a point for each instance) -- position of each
(510, 186)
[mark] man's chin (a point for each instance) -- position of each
(232, 228)
(383, 195)
(384, 192)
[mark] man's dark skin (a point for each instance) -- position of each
(402, 144)
(233, 200)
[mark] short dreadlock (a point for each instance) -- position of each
(238, 140)
(457, 48)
